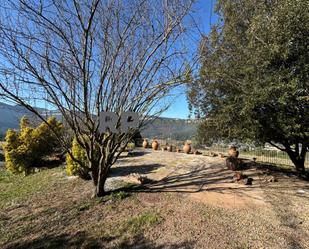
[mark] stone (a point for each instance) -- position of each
(301, 191)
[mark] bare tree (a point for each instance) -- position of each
(88, 57)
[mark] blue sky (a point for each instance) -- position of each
(204, 17)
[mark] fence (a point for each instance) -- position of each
(260, 154)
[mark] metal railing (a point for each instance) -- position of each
(264, 155)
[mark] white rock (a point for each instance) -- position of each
(72, 177)
(301, 191)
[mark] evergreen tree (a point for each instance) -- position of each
(254, 75)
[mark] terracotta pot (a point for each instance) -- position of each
(145, 143)
(233, 152)
(155, 145)
(187, 148)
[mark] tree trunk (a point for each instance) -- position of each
(99, 187)
(298, 159)
(99, 176)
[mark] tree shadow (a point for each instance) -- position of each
(84, 240)
(190, 182)
(275, 169)
(48, 163)
(139, 153)
(80, 239)
(215, 178)
(139, 169)
(211, 178)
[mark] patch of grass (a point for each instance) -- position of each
(129, 185)
(84, 206)
(116, 196)
(205, 214)
(16, 187)
(131, 227)
(17, 233)
(138, 223)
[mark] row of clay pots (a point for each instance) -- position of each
(232, 152)
(155, 146)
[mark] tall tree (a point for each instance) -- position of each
(88, 57)
(254, 75)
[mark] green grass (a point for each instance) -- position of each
(16, 187)
(132, 226)
(138, 223)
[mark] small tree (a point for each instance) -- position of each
(85, 58)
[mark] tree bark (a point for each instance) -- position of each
(99, 176)
(297, 158)
(99, 190)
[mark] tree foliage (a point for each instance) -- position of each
(77, 158)
(24, 149)
(254, 75)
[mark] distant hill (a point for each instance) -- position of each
(180, 129)
(10, 115)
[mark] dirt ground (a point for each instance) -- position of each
(189, 201)
(204, 178)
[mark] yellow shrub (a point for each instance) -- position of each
(25, 148)
(73, 168)
(79, 153)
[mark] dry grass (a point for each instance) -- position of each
(46, 210)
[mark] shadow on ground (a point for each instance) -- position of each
(134, 154)
(290, 172)
(215, 178)
(83, 240)
(126, 170)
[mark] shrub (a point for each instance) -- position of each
(73, 168)
(130, 146)
(79, 153)
(24, 149)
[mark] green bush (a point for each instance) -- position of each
(24, 149)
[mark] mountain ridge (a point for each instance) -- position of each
(161, 127)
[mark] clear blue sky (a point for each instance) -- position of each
(204, 16)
